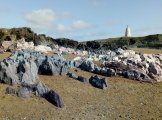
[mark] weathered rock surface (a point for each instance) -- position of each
(22, 44)
(128, 63)
(23, 92)
(98, 82)
(7, 44)
(136, 66)
(18, 72)
(91, 67)
(54, 98)
(42, 48)
(93, 80)
(22, 69)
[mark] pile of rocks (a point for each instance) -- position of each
(88, 65)
(22, 69)
(128, 63)
(93, 80)
(136, 66)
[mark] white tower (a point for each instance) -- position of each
(128, 32)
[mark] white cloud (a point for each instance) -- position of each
(62, 28)
(75, 26)
(42, 18)
(66, 15)
(80, 25)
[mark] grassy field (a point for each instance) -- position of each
(123, 100)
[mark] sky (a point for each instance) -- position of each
(83, 19)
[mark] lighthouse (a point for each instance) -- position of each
(128, 32)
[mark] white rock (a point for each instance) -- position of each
(42, 48)
(21, 44)
(77, 58)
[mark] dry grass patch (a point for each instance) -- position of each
(148, 50)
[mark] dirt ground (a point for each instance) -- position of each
(123, 100)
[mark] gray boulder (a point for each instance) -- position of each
(53, 67)
(87, 65)
(79, 78)
(8, 72)
(23, 92)
(40, 89)
(18, 72)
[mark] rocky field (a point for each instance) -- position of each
(124, 99)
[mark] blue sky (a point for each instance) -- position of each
(83, 19)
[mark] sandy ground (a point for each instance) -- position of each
(148, 50)
(123, 100)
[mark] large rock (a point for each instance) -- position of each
(53, 67)
(87, 65)
(7, 44)
(18, 72)
(98, 82)
(54, 98)
(40, 90)
(21, 44)
(23, 92)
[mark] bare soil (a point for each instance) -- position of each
(123, 100)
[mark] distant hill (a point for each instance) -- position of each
(14, 34)
(150, 41)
